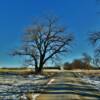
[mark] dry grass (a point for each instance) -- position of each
(16, 70)
(47, 72)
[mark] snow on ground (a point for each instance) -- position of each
(94, 81)
(12, 87)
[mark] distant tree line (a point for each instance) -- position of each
(86, 62)
(77, 64)
(52, 67)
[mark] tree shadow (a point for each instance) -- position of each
(70, 89)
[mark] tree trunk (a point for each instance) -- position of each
(39, 70)
(36, 70)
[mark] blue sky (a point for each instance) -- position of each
(16, 15)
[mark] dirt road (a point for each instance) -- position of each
(68, 86)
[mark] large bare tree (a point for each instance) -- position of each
(44, 40)
(95, 40)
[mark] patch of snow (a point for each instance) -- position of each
(51, 81)
(35, 77)
(24, 97)
(35, 96)
(95, 81)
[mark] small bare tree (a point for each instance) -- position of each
(44, 40)
(95, 40)
(87, 59)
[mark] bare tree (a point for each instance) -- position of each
(44, 40)
(87, 60)
(94, 37)
(95, 40)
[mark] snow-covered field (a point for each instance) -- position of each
(12, 87)
(94, 81)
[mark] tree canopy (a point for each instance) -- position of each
(44, 40)
(94, 38)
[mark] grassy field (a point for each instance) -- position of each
(30, 70)
(27, 71)
(16, 70)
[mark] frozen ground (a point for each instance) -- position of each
(13, 86)
(94, 81)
